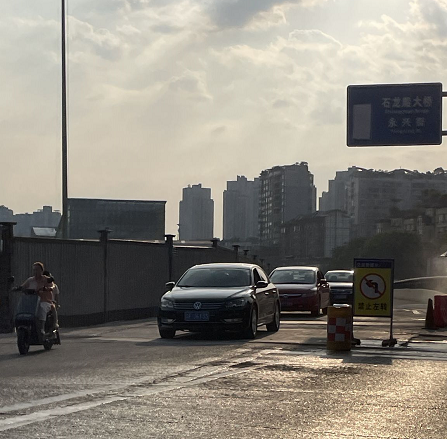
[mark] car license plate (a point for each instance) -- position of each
(197, 316)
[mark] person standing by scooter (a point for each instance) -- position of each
(56, 292)
(41, 284)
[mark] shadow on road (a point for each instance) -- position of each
(198, 337)
(300, 316)
(31, 353)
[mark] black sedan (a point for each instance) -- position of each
(231, 296)
(341, 283)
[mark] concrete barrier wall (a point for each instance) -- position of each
(416, 296)
(435, 283)
(76, 266)
(136, 274)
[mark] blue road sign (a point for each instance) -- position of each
(394, 114)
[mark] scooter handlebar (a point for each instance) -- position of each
(28, 291)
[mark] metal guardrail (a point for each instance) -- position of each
(435, 283)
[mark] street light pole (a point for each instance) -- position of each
(64, 132)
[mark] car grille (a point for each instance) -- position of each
(341, 291)
(190, 305)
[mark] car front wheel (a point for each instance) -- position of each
(273, 326)
(316, 311)
(166, 332)
(252, 328)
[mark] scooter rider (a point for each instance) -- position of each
(41, 284)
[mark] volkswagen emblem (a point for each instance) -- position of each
(197, 305)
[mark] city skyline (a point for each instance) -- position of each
(332, 198)
(199, 91)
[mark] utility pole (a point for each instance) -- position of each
(64, 132)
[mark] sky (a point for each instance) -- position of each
(167, 93)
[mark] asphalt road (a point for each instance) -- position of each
(122, 381)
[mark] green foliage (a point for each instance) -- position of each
(343, 257)
(405, 248)
(433, 198)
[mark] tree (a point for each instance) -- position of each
(405, 248)
(343, 257)
(432, 198)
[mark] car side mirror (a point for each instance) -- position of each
(170, 286)
(261, 284)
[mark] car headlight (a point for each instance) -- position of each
(166, 304)
(236, 303)
(313, 291)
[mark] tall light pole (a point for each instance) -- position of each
(64, 133)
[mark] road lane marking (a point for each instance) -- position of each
(182, 379)
(44, 415)
(54, 399)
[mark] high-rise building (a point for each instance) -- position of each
(127, 219)
(369, 196)
(310, 237)
(336, 196)
(286, 192)
(196, 214)
(6, 214)
(240, 209)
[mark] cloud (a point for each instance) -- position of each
(433, 12)
(312, 37)
(253, 14)
(129, 30)
(103, 42)
(267, 19)
(238, 13)
(192, 84)
(282, 103)
(219, 130)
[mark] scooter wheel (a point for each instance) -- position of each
(22, 342)
(47, 344)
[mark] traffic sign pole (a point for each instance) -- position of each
(391, 341)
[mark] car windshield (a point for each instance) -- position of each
(293, 277)
(216, 277)
(339, 276)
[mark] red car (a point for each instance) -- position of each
(301, 289)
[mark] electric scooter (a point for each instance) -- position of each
(27, 324)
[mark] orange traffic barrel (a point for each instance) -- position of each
(339, 327)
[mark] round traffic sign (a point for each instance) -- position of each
(372, 286)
